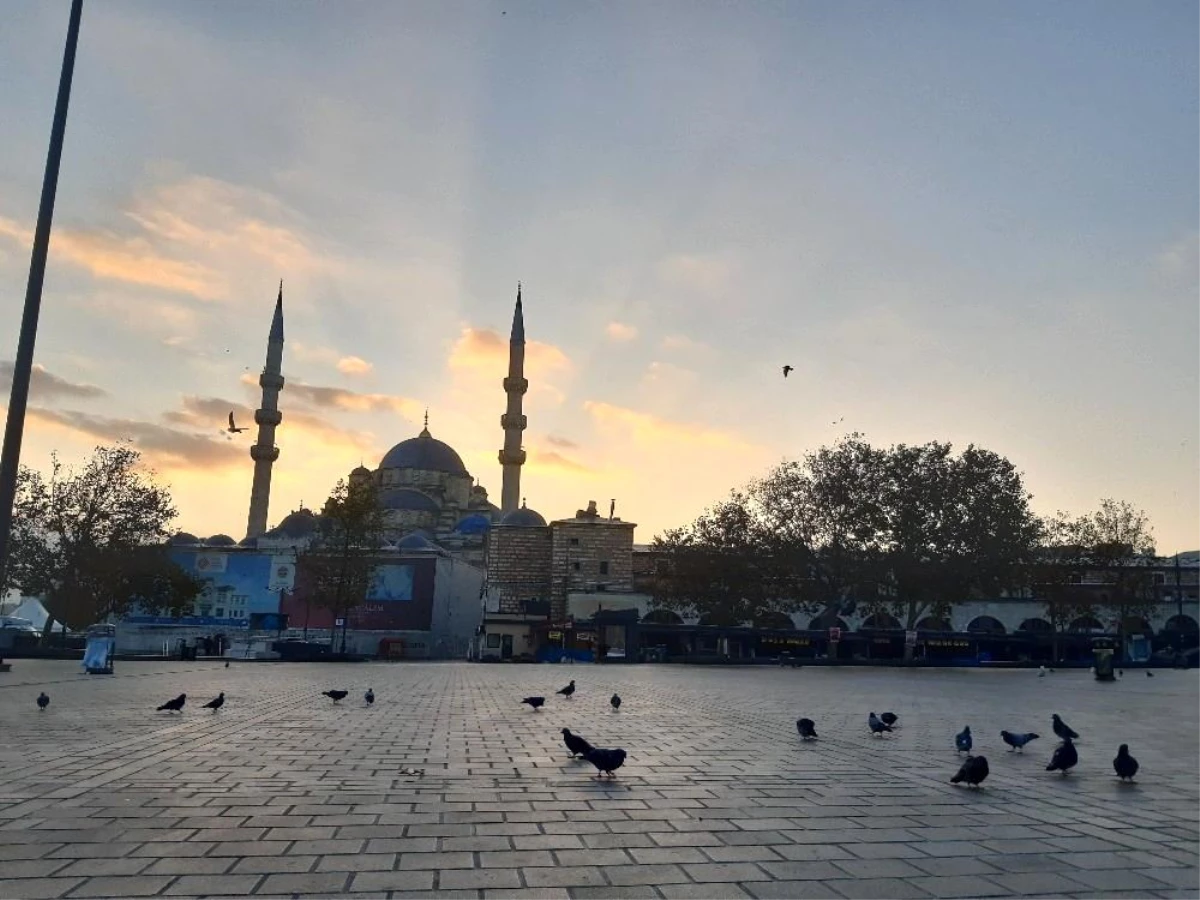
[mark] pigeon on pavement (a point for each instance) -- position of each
(175, 705)
(807, 729)
(369, 696)
(962, 740)
(974, 770)
(616, 702)
(335, 696)
(877, 725)
(216, 702)
(607, 761)
(1018, 741)
(535, 702)
(888, 718)
(568, 690)
(1063, 730)
(43, 700)
(1125, 765)
(1065, 757)
(577, 745)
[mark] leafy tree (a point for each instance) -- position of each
(339, 564)
(1055, 574)
(90, 542)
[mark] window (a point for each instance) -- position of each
(1160, 578)
(574, 542)
(575, 565)
(604, 567)
(493, 641)
(1075, 579)
(220, 612)
(601, 588)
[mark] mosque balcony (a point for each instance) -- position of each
(259, 453)
(270, 381)
(517, 421)
(512, 457)
(268, 416)
(515, 385)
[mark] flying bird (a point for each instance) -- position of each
(888, 718)
(535, 702)
(43, 700)
(962, 741)
(616, 702)
(175, 705)
(1065, 757)
(369, 696)
(607, 761)
(216, 703)
(335, 696)
(568, 690)
(807, 729)
(1063, 730)
(877, 725)
(973, 771)
(787, 370)
(1017, 741)
(1125, 765)
(577, 745)
(233, 429)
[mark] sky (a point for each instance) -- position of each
(975, 223)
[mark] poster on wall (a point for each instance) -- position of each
(211, 563)
(283, 573)
(391, 584)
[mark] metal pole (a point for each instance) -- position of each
(10, 458)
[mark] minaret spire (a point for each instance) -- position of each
(263, 451)
(512, 457)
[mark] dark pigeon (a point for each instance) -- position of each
(1063, 730)
(216, 702)
(535, 702)
(607, 761)
(616, 702)
(888, 718)
(175, 705)
(974, 770)
(335, 696)
(568, 690)
(1065, 757)
(1018, 741)
(877, 725)
(369, 696)
(227, 664)
(1149, 674)
(577, 745)
(807, 729)
(962, 740)
(43, 700)
(1125, 765)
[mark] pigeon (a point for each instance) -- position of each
(807, 729)
(877, 725)
(335, 696)
(577, 745)
(607, 761)
(216, 702)
(227, 664)
(616, 702)
(1149, 674)
(1065, 757)
(175, 705)
(535, 702)
(962, 740)
(233, 429)
(787, 370)
(369, 696)
(1062, 729)
(888, 718)
(43, 700)
(1018, 741)
(974, 769)
(1042, 672)
(568, 690)
(1125, 765)
(1120, 673)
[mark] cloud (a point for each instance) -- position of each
(542, 460)
(619, 331)
(708, 274)
(645, 428)
(354, 365)
(312, 353)
(201, 412)
(152, 314)
(683, 343)
(44, 385)
(483, 348)
(555, 440)
(346, 400)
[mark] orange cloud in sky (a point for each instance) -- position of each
(343, 399)
(354, 365)
(646, 428)
(619, 331)
(482, 349)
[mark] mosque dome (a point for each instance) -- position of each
(408, 499)
(427, 453)
(299, 524)
(524, 518)
(221, 540)
(473, 524)
(360, 472)
(183, 539)
(415, 541)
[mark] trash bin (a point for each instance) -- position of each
(1102, 658)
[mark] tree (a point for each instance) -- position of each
(340, 562)
(1056, 573)
(91, 542)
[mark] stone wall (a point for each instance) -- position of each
(519, 566)
(590, 555)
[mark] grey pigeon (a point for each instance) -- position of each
(335, 696)
(1065, 757)
(1125, 765)
(369, 696)
(1018, 741)
(216, 702)
(616, 702)
(888, 718)
(43, 700)
(175, 705)
(974, 769)
(877, 725)
(607, 761)
(1062, 729)
(807, 729)
(1042, 672)
(568, 690)
(577, 745)
(1149, 674)
(962, 740)
(535, 702)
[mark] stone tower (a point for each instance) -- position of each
(512, 457)
(263, 451)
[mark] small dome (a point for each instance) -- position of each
(221, 540)
(524, 518)
(183, 539)
(301, 523)
(427, 453)
(415, 541)
(473, 524)
(408, 499)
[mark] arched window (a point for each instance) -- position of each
(986, 625)
(1181, 623)
(1035, 625)
(662, 617)
(1085, 624)
(820, 624)
(774, 620)
(929, 623)
(880, 622)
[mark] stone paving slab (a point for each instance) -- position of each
(285, 794)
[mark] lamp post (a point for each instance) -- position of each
(14, 430)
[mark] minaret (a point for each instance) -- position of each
(512, 457)
(264, 452)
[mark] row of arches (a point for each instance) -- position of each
(979, 625)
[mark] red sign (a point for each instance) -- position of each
(835, 634)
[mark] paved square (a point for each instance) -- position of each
(282, 793)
